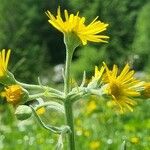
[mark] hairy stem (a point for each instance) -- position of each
(68, 104)
(70, 123)
(39, 87)
(67, 72)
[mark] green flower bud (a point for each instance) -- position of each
(23, 112)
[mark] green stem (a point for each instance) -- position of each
(70, 123)
(56, 130)
(39, 87)
(67, 72)
(53, 105)
(35, 96)
(47, 95)
(71, 41)
(68, 104)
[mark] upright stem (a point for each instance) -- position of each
(69, 120)
(68, 104)
(71, 41)
(67, 72)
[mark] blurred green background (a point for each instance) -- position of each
(37, 47)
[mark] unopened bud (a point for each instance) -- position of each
(23, 112)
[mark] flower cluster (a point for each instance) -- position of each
(13, 92)
(120, 87)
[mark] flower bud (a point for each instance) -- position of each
(95, 82)
(15, 94)
(23, 112)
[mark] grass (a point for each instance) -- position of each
(97, 128)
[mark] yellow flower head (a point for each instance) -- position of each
(95, 145)
(122, 87)
(13, 94)
(4, 58)
(135, 140)
(75, 24)
(41, 111)
(91, 106)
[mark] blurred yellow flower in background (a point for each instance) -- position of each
(13, 94)
(4, 58)
(122, 87)
(135, 140)
(87, 133)
(75, 24)
(94, 145)
(41, 111)
(91, 106)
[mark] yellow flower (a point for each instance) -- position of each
(87, 133)
(4, 58)
(135, 140)
(75, 24)
(41, 111)
(91, 106)
(13, 94)
(94, 145)
(122, 87)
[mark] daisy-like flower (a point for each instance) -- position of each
(14, 94)
(4, 58)
(122, 87)
(75, 24)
